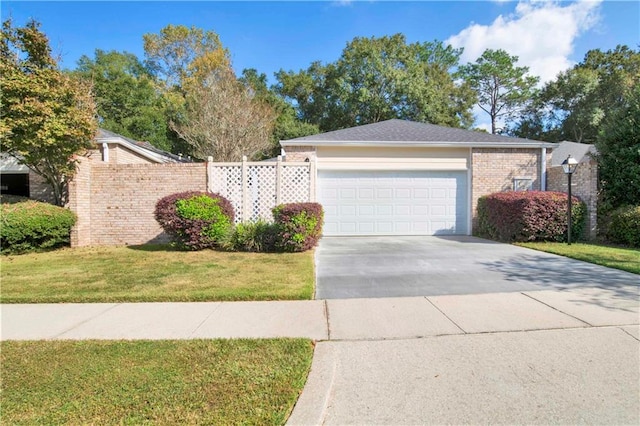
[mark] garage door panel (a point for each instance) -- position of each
(393, 203)
(420, 193)
(366, 193)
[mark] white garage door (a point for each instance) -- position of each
(393, 202)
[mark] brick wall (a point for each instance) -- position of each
(299, 153)
(493, 170)
(39, 189)
(80, 203)
(115, 202)
(584, 184)
(120, 155)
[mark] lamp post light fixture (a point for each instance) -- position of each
(569, 166)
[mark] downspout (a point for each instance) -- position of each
(105, 152)
(543, 170)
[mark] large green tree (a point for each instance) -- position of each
(213, 112)
(377, 79)
(576, 104)
(618, 146)
(503, 89)
(181, 55)
(47, 116)
(127, 97)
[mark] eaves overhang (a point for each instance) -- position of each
(152, 156)
(419, 144)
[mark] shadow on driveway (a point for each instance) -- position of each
(362, 267)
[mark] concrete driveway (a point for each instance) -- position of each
(364, 267)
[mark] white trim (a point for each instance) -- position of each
(105, 152)
(543, 169)
(470, 193)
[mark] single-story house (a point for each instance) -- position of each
(399, 177)
(109, 147)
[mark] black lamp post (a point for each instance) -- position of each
(569, 166)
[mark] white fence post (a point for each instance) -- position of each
(210, 174)
(312, 179)
(279, 180)
(246, 214)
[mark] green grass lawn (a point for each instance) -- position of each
(219, 382)
(626, 259)
(154, 274)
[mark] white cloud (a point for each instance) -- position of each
(341, 3)
(540, 33)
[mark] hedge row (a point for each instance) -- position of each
(528, 216)
(197, 220)
(624, 226)
(29, 225)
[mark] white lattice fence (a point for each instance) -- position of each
(254, 188)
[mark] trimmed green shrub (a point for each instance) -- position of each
(195, 220)
(299, 226)
(624, 226)
(29, 225)
(528, 216)
(259, 236)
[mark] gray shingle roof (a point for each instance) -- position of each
(107, 134)
(406, 131)
(582, 152)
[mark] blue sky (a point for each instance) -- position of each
(548, 36)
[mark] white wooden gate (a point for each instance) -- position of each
(254, 188)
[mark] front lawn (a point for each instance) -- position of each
(220, 382)
(626, 259)
(154, 274)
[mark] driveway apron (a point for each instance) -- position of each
(365, 267)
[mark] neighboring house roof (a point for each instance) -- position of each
(10, 164)
(409, 133)
(144, 149)
(582, 152)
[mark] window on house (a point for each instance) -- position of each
(522, 184)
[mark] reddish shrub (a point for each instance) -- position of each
(299, 225)
(195, 220)
(528, 216)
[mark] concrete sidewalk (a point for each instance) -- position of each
(340, 319)
(538, 357)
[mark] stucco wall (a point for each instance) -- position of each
(385, 158)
